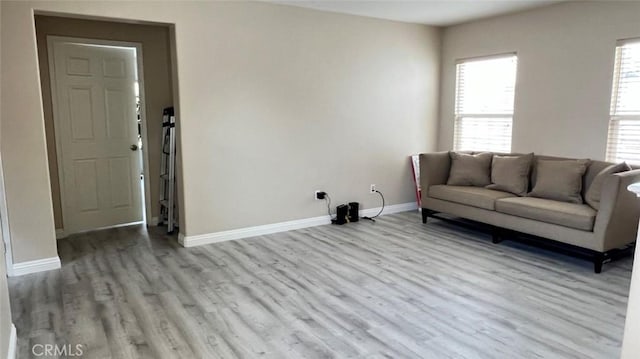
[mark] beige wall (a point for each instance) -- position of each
(631, 345)
(275, 102)
(5, 308)
(565, 70)
(157, 81)
(22, 140)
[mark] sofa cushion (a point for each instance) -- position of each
(511, 173)
(472, 196)
(559, 180)
(470, 170)
(573, 215)
(592, 196)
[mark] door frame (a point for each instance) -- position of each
(4, 224)
(51, 40)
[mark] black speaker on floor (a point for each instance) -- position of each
(342, 211)
(354, 214)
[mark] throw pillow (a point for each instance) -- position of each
(560, 180)
(470, 170)
(592, 196)
(511, 173)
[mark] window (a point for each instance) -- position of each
(485, 89)
(623, 143)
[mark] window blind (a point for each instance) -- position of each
(485, 90)
(623, 143)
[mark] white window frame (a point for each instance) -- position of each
(460, 117)
(618, 149)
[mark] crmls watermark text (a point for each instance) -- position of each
(56, 350)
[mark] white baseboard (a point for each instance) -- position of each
(12, 353)
(153, 221)
(208, 238)
(394, 208)
(39, 265)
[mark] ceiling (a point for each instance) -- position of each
(428, 12)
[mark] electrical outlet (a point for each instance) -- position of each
(373, 189)
(318, 195)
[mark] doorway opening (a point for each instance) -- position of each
(103, 119)
(99, 130)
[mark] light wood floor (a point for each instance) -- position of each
(396, 288)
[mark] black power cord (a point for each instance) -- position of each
(328, 199)
(381, 208)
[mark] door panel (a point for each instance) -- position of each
(79, 66)
(86, 174)
(96, 124)
(115, 68)
(81, 109)
(120, 181)
(118, 117)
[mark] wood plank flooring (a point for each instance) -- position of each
(391, 289)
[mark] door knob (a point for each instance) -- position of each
(133, 147)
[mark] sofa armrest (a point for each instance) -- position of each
(434, 169)
(617, 220)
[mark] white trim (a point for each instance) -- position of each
(394, 208)
(207, 238)
(13, 343)
(486, 57)
(215, 237)
(622, 42)
(39, 265)
(4, 223)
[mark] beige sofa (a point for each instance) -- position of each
(600, 232)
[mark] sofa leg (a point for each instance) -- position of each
(426, 213)
(496, 235)
(598, 260)
(597, 266)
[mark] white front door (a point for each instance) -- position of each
(97, 134)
